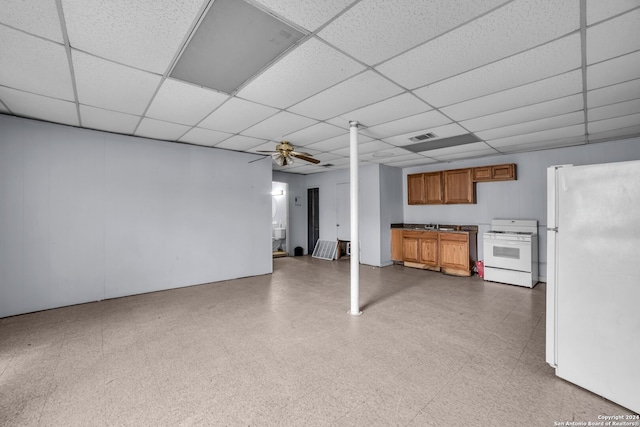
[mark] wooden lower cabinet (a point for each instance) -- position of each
(448, 252)
(396, 244)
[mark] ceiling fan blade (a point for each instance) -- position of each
(305, 158)
(263, 151)
(302, 153)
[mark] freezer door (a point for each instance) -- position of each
(598, 280)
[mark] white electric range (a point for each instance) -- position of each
(511, 252)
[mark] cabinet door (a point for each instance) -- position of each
(433, 185)
(396, 244)
(454, 251)
(415, 189)
(482, 173)
(429, 249)
(410, 249)
(458, 186)
(503, 172)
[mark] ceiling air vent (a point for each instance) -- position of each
(424, 137)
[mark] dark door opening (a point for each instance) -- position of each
(313, 218)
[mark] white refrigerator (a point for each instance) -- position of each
(593, 278)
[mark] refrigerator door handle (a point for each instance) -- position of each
(555, 229)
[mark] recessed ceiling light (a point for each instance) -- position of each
(234, 41)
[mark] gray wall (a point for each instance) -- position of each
(521, 199)
(391, 208)
(87, 215)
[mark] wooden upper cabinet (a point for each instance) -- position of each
(416, 189)
(458, 186)
(504, 172)
(433, 186)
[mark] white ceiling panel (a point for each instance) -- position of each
(236, 115)
(614, 110)
(357, 92)
(546, 135)
(511, 29)
(458, 149)
(35, 65)
(3, 109)
(467, 155)
(544, 144)
(405, 23)
(627, 132)
(391, 156)
(613, 38)
(145, 34)
(39, 107)
(157, 129)
(240, 143)
(408, 124)
(546, 61)
(390, 109)
(315, 133)
(335, 143)
(614, 123)
(111, 86)
(309, 14)
(452, 129)
(183, 103)
(613, 71)
(275, 127)
(205, 137)
(413, 162)
(524, 114)
(307, 70)
(597, 10)
(111, 121)
(533, 93)
(325, 157)
(39, 17)
(364, 148)
(559, 121)
(615, 93)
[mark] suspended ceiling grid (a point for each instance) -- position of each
(520, 75)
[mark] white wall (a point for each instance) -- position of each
(521, 199)
(87, 215)
(391, 208)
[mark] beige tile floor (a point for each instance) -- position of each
(280, 350)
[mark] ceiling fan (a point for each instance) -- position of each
(284, 154)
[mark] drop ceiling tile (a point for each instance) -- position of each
(615, 93)
(364, 148)
(335, 143)
(326, 157)
(618, 133)
(597, 10)
(183, 103)
(559, 121)
(446, 131)
(275, 127)
(157, 129)
(359, 91)
(614, 71)
(540, 110)
(310, 68)
(382, 157)
(546, 135)
(204, 137)
(35, 65)
(408, 124)
(458, 149)
(314, 133)
(39, 107)
(390, 109)
(614, 123)
(544, 145)
(467, 155)
(107, 85)
(614, 110)
(35, 17)
(545, 61)
(529, 94)
(240, 143)
(414, 162)
(375, 31)
(236, 115)
(145, 34)
(514, 28)
(309, 14)
(613, 38)
(111, 121)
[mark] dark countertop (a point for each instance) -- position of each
(442, 227)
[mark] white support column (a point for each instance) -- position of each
(355, 238)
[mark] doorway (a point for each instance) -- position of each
(280, 219)
(343, 211)
(313, 218)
